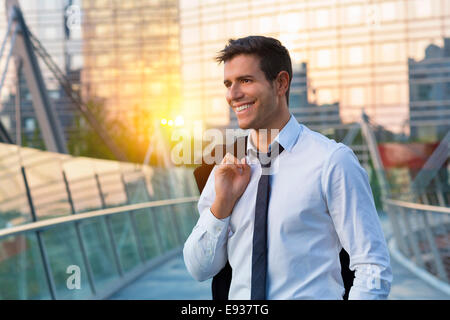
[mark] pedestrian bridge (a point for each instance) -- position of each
(81, 228)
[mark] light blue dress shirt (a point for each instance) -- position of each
(320, 202)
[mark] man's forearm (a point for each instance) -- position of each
(205, 250)
(222, 208)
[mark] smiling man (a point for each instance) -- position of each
(282, 230)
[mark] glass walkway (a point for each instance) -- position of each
(171, 280)
(79, 228)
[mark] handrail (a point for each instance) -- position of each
(417, 206)
(44, 224)
(417, 236)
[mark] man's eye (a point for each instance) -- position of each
(245, 80)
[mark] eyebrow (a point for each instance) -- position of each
(239, 78)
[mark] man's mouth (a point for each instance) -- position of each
(243, 107)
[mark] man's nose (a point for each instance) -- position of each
(234, 92)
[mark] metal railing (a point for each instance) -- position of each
(422, 234)
(49, 223)
(110, 220)
(171, 228)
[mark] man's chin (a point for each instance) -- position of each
(244, 125)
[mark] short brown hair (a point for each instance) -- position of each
(274, 57)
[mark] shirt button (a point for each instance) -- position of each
(218, 229)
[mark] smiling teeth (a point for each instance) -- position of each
(245, 106)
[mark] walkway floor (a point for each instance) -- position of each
(171, 281)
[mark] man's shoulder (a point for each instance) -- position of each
(319, 143)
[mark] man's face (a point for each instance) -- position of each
(252, 97)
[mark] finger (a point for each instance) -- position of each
(246, 167)
(230, 159)
(241, 164)
(226, 159)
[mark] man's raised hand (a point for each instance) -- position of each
(231, 179)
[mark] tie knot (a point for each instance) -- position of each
(266, 158)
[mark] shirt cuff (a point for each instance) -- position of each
(213, 225)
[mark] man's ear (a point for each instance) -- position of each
(282, 82)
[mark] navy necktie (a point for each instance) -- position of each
(259, 255)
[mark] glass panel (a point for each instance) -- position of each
(159, 185)
(110, 180)
(186, 219)
(83, 186)
(22, 274)
(135, 186)
(14, 208)
(166, 227)
(43, 171)
(63, 251)
(125, 241)
(147, 230)
(99, 252)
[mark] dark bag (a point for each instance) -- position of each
(221, 282)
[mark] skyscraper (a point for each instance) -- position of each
(429, 91)
(130, 56)
(122, 55)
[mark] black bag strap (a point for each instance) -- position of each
(202, 172)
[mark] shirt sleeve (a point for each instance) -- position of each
(352, 209)
(205, 250)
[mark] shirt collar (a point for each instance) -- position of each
(287, 137)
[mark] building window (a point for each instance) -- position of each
(323, 58)
(325, 96)
(321, 18)
(389, 11)
(424, 92)
(266, 25)
(355, 55)
(54, 94)
(356, 96)
(353, 15)
(291, 22)
(190, 35)
(103, 60)
(390, 94)
(420, 8)
(30, 124)
(389, 52)
(76, 61)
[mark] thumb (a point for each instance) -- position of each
(245, 165)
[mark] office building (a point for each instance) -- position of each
(429, 91)
(121, 55)
(131, 57)
(356, 51)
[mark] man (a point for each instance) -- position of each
(284, 243)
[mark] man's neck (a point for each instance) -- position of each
(263, 138)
